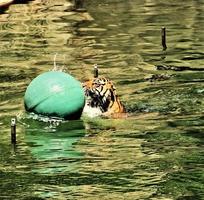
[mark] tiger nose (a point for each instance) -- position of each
(88, 92)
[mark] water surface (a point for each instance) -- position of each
(157, 152)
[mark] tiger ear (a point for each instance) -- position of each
(111, 86)
(87, 83)
(83, 84)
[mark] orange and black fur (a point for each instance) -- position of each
(101, 98)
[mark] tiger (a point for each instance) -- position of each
(101, 98)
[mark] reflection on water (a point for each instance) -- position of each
(54, 145)
(157, 152)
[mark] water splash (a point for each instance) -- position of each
(59, 68)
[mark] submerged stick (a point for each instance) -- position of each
(163, 38)
(13, 130)
(95, 71)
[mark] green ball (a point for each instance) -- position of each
(55, 94)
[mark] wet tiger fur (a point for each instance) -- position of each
(101, 98)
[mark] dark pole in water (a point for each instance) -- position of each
(95, 71)
(13, 131)
(78, 4)
(163, 37)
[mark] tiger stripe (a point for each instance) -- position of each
(102, 94)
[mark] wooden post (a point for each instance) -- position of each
(95, 71)
(163, 38)
(13, 130)
(78, 4)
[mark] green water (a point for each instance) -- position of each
(157, 152)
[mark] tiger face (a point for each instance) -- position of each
(101, 97)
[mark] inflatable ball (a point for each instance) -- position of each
(55, 94)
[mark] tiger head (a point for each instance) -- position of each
(101, 96)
